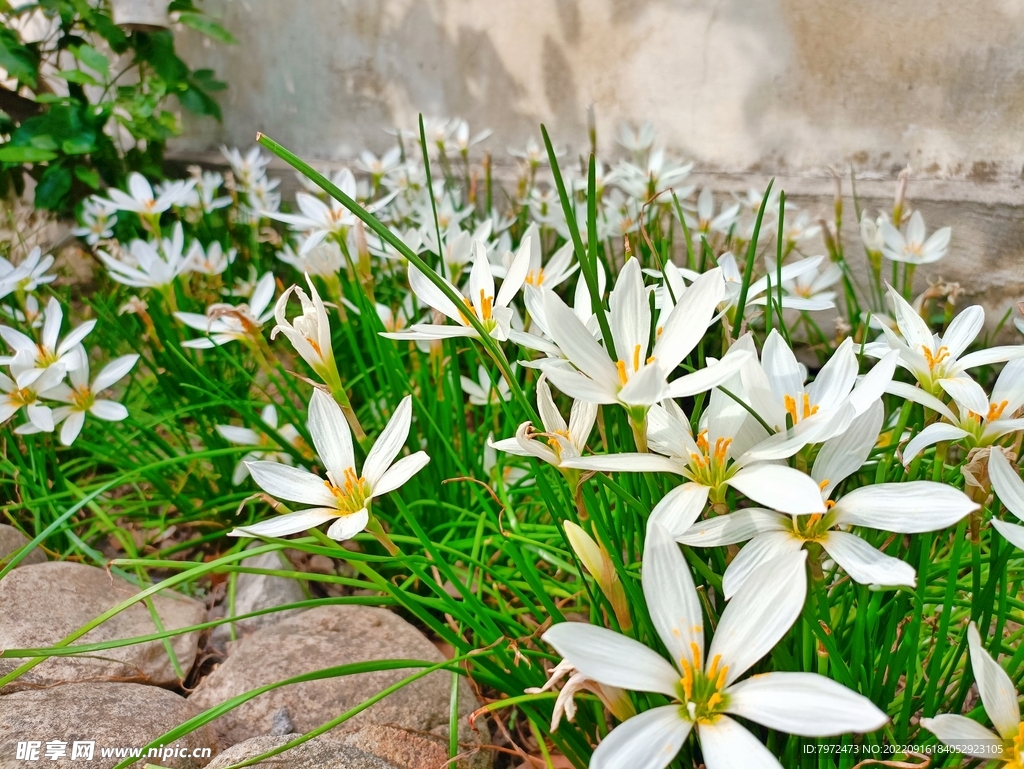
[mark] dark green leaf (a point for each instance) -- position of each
(77, 76)
(88, 176)
(9, 154)
(53, 187)
(92, 58)
(197, 101)
(207, 26)
(17, 59)
(78, 145)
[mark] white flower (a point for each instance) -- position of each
(22, 391)
(560, 265)
(978, 420)
(483, 392)
(28, 275)
(938, 362)
(806, 290)
(462, 139)
(309, 333)
(636, 141)
(612, 697)
(871, 232)
(706, 688)
(50, 350)
(533, 153)
(143, 201)
(906, 508)
(379, 167)
(98, 221)
(1010, 488)
(225, 323)
(213, 261)
(799, 229)
(325, 260)
(912, 247)
(492, 311)
(636, 380)
(656, 176)
(267, 450)
(248, 169)
(81, 395)
(758, 289)
(345, 495)
(203, 196)
(158, 265)
(705, 222)
(999, 697)
(559, 441)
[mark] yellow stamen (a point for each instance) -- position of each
(535, 278)
(486, 303)
(620, 366)
(695, 650)
(636, 358)
(822, 485)
(995, 410)
(934, 359)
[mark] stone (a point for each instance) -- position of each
(114, 715)
(11, 541)
(319, 638)
(318, 753)
(254, 592)
(44, 603)
(408, 749)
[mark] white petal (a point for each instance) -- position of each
(995, 687)
(401, 471)
(963, 330)
(629, 313)
(689, 319)
(645, 388)
(649, 740)
(515, 276)
(805, 704)
(680, 508)
(243, 436)
(579, 346)
(917, 395)
(112, 411)
(613, 659)
(626, 463)
(1013, 533)
(291, 483)
(911, 324)
(784, 372)
(282, 525)
(909, 508)
(869, 389)
(706, 378)
(390, 442)
(114, 372)
(481, 280)
(991, 355)
(331, 436)
(41, 417)
(963, 732)
(761, 612)
(75, 336)
(967, 393)
(733, 528)
(347, 526)
(929, 436)
(549, 414)
(843, 455)
(671, 596)
(758, 551)
(836, 378)
(430, 294)
(727, 745)
(781, 488)
(1006, 482)
(865, 564)
(72, 427)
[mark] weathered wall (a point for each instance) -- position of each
(746, 88)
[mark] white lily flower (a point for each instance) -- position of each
(50, 350)
(158, 263)
(938, 362)
(636, 141)
(22, 391)
(265, 448)
(612, 697)
(492, 311)
(559, 441)
(226, 323)
(81, 396)
(309, 333)
(379, 167)
(558, 268)
(140, 198)
(533, 153)
(636, 381)
(978, 420)
(98, 220)
(657, 175)
(1010, 488)
(800, 228)
(28, 275)
(325, 260)
(484, 392)
(999, 698)
(871, 232)
(706, 222)
(721, 456)
(345, 496)
(246, 169)
(812, 286)
(213, 261)
(912, 247)
(706, 688)
(758, 289)
(906, 508)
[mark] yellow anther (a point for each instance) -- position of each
(620, 366)
(723, 674)
(995, 410)
(695, 650)
(822, 485)
(790, 403)
(722, 448)
(713, 670)
(486, 303)
(636, 358)
(829, 504)
(934, 359)
(657, 333)
(809, 410)
(702, 441)
(535, 278)
(714, 700)
(649, 361)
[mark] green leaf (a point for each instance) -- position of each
(91, 58)
(77, 76)
(50, 98)
(88, 176)
(78, 145)
(196, 100)
(206, 26)
(17, 59)
(53, 187)
(9, 154)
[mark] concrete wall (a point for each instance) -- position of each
(746, 88)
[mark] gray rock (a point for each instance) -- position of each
(113, 715)
(46, 602)
(254, 592)
(409, 749)
(11, 541)
(318, 753)
(324, 637)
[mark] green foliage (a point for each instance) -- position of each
(116, 80)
